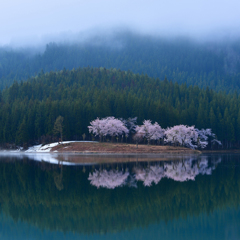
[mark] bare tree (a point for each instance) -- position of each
(138, 137)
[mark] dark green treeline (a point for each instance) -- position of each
(29, 109)
(30, 192)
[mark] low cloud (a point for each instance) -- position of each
(35, 23)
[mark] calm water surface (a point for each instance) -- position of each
(42, 196)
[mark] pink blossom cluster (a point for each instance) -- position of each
(182, 135)
(150, 131)
(189, 136)
(109, 126)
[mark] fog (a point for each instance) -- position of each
(33, 23)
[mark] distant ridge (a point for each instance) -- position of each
(216, 65)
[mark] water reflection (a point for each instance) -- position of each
(108, 179)
(90, 159)
(178, 171)
(61, 199)
(51, 158)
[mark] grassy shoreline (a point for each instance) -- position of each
(120, 148)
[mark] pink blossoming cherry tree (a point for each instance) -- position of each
(182, 135)
(150, 131)
(109, 126)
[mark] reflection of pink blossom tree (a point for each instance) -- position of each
(108, 179)
(178, 171)
(149, 174)
(150, 131)
(188, 169)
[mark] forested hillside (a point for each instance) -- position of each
(29, 109)
(216, 65)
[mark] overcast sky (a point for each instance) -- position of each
(32, 20)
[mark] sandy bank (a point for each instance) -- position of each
(121, 148)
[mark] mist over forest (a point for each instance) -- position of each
(213, 63)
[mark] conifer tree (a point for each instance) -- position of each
(58, 127)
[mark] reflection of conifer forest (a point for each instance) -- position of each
(61, 197)
(28, 110)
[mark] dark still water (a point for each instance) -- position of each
(192, 197)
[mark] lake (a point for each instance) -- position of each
(43, 196)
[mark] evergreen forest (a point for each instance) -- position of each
(29, 108)
(125, 75)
